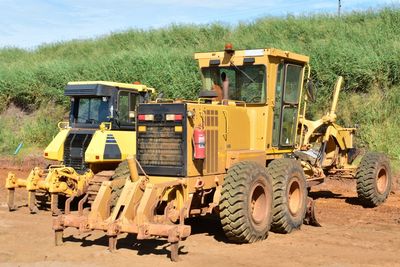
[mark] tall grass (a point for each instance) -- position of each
(364, 47)
(33, 130)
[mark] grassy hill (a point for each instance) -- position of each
(363, 47)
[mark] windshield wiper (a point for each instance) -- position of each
(244, 73)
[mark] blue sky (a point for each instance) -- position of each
(29, 23)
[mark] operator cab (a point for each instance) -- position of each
(243, 81)
(267, 81)
(97, 102)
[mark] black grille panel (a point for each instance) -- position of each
(74, 150)
(160, 146)
(160, 149)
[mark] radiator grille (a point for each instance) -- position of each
(160, 146)
(161, 149)
(75, 146)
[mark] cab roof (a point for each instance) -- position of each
(252, 53)
(136, 87)
(102, 88)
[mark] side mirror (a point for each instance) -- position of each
(146, 97)
(160, 95)
(311, 90)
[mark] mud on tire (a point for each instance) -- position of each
(374, 179)
(121, 172)
(290, 195)
(246, 203)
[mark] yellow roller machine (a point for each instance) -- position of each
(99, 134)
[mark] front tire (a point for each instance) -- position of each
(374, 179)
(246, 203)
(290, 195)
(121, 172)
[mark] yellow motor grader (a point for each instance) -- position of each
(243, 150)
(99, 135)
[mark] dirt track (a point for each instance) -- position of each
(351, 236)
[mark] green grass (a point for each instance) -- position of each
(33, 130)
(363, 47)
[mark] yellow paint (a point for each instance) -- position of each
(178, 129)
(53, 181)
(142, 128)
(126, 141)
(55, 150)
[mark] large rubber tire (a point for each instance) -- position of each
(246, 203)
(121, 172)
(374, 179)
(290, 195)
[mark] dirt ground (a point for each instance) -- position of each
(350, 236)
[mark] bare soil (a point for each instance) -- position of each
(351, 235)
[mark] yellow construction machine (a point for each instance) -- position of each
(99, 135)
(243, 150)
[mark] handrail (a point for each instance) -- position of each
(225, 135)
(63, 125)
(105, 126)
(164, 100)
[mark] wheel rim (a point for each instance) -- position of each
(258, 204)
(381, 181)
(294, 197)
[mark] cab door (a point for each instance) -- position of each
(127, 103)
(287, 94)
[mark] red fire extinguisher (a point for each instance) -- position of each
(199, 140)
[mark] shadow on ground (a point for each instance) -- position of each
(326, 194)
(209, 225)
(142, 247)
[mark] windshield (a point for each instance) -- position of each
(246, 83)
(92, 110)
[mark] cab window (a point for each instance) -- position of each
(246, 83)
(127, 103)
(292, 84)
(89, 110)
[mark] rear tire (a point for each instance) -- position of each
(246, 203)
(374, 179)
(290, 195)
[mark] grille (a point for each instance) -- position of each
(160, 149)
(74, 150)
(160, 146)
(211, 123)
